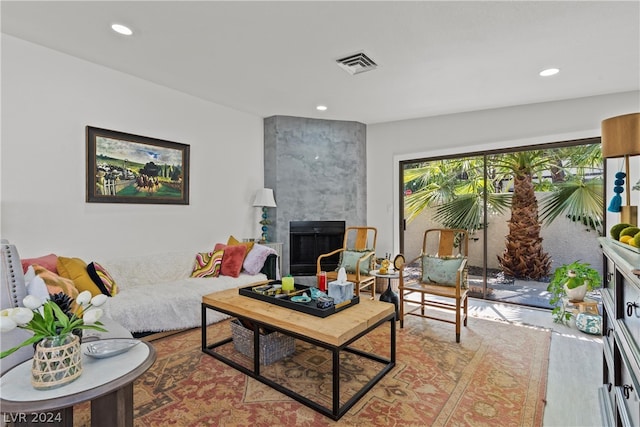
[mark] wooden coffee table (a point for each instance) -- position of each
(335, 333)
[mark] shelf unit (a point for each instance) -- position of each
(620, 392)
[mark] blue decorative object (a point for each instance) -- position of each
(616, 201)
(324, 302)
(301, 298)
(264, 199)
(589, 323)
(317, 293)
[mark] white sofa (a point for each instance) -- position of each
(156, 292)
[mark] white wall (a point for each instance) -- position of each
(47, 100)
(389, 143)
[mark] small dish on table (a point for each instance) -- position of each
(108, 348)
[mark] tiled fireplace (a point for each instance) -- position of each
(317, 169)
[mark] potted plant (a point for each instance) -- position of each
(57, 359)
(573, 281)
(48, 320)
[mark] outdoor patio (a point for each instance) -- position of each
(529, 293)
(524, 292)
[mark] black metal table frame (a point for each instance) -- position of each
(337, 411)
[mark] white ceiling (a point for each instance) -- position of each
(278, 58)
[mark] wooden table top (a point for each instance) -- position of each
(335, 329)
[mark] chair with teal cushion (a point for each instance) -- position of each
(357, 256)
(442, 279)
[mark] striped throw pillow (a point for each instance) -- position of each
(102, 279)
(207, 264)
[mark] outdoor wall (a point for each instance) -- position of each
(47, 100)
(389, 143)
(565, 241)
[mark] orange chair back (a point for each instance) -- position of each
(449, 240)
(360, 238)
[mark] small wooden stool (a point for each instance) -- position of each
(590, 307)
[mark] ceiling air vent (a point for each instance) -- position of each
(357, 63)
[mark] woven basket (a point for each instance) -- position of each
(56, 365)
(273, 346)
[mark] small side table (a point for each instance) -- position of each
(107, 383)
(390, 295)
(588, 305)
(586, 315)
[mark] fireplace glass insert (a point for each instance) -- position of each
(308, 240)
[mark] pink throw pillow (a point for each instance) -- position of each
(50, 262)
(254, 261)
(232, 259)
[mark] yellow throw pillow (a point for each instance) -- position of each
(76, 270)
(233, 241)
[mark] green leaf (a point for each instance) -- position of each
(49, 320)
(32, 340)
(61, 317)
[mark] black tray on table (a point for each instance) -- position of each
(304, 307)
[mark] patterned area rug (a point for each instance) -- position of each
(496, 376)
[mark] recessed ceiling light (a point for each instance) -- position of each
(122, 29)
(549, 72)
(321, 108)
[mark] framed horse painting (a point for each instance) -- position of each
(126, 168)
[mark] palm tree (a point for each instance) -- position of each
(524, 256)
(456, 190)
(455, 187)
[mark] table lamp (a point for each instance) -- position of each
(621, 138)
(264, 199)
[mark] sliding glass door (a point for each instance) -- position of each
(447, 193)
(526, 210)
